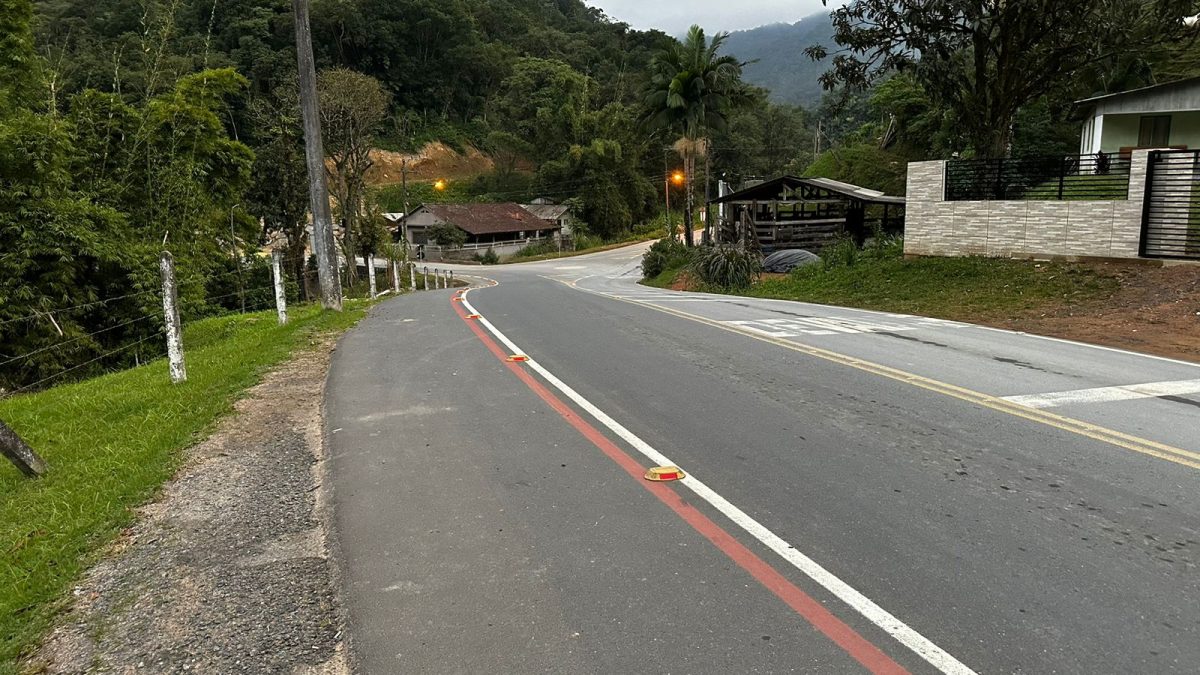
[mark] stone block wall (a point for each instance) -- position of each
(934, 226)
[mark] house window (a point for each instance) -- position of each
(1155, 131)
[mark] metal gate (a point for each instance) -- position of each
(1171, 217)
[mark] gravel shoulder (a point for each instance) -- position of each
(229, 570)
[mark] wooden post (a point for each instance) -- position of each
(370, 259)
(280, 290)
(451, 284)
(12, 447)
(314, 153)
(166, 265)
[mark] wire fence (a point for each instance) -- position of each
(107, 348)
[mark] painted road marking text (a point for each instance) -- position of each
(785, 328)
(1126, 392)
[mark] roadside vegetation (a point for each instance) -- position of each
(111, 442)
(878, 277)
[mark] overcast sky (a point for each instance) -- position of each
(674, 16)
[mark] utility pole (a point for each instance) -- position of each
(404, 182)
(237, 260)
(817, 142)
(318, 192)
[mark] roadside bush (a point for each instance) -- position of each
(726, 266)
(585, 241)
(843, 252)
(884, 247)
(487, 258)
(539, 248)
(663, 255)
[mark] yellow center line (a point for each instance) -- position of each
(1094, 431)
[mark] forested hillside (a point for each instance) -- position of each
(777, 61)
(135, 125)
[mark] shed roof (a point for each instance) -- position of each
(480, 219)
(773, 190)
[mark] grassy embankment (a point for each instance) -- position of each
(965, 289)
(111, 442)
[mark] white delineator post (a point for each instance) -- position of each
(396, 277)
(371, 273)
(450, 279)
(412, 275)
(166, 265)
(425, 277)
(280, 291)
(437, 278)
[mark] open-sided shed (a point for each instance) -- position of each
(790, 212)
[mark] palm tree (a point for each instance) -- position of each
(690, 92)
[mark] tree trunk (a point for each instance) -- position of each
(690, 202)
(708, 225)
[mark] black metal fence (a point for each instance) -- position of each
(1100, 176)
(1171, 218)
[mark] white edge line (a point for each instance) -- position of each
(1117, 350)
(922, 646)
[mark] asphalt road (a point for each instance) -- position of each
(864, 491)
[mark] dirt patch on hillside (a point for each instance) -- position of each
(435, 160)
(1155, 310)
(229, 571)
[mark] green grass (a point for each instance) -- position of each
(1083, 187)
(951, 288)
(111, 442)
(665, 279)
(965, 289)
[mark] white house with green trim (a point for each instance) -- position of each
(1159, 116)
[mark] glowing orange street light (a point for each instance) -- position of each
(677, 178)
(439, 185)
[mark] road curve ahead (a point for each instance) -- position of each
(864, 492)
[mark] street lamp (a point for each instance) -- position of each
(677, 178)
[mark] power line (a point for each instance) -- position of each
(104, 301)
(77, 367)
(60, 345)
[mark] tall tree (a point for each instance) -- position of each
(353, 106)
(279, 193)
(690, 91)
(986, 59)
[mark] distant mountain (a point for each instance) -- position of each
(781, 65)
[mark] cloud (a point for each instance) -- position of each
(675, 16)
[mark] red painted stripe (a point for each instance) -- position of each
(870, 656)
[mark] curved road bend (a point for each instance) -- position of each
(865, 491)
